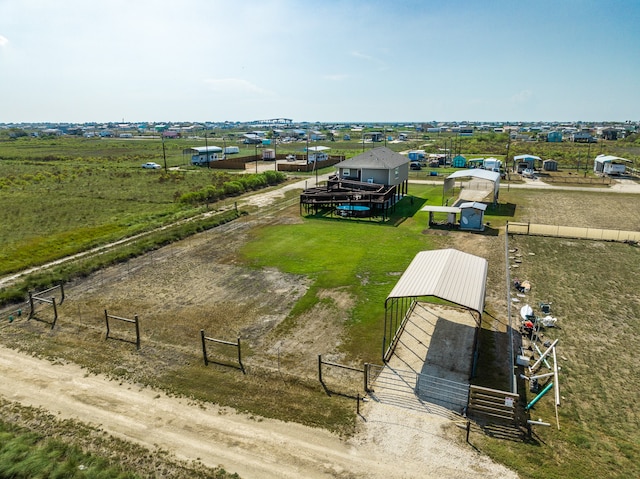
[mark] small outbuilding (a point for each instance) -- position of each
(472, 216)
(550, 165)
(525, 162)
(459, 162)
(268, 154)
(610, 165)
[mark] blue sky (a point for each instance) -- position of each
(329, 60)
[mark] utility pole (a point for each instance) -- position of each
(506, 159)
(164, 155)
(206, 148)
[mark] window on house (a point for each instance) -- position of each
(346, 172)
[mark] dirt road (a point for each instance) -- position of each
(393, 442)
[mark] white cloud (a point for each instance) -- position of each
(235, 85)
(4, 41)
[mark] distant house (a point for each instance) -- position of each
(583, 137)
(317, 136)
(170, 134)
(609, 134)
(366, 185)
(378, 165)
(554, 137)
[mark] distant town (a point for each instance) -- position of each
(285, 129)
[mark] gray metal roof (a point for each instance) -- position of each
(381, 158)
(206, 149)
(476, 173)
(448, 274)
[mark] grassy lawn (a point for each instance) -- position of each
(345, 254)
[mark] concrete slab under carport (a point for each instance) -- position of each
(436, 342)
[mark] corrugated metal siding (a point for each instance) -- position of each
(448, 274)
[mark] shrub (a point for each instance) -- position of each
(233, 188)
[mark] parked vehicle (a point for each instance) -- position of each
(415, 165)
(151, 165)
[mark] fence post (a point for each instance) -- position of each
(61, 292)
(55, 312)
(31, 311)
(240, 357)
(137, 332)
(468, 430)
(366, 377)
(320, 368)
(106, 318)
(204, 348)
(358, 404)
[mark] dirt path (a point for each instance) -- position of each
(393, 443)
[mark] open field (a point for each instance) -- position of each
(292, 288)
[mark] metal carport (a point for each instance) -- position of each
(454, 276)
(493, 176)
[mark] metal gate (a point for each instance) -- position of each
(416, 391)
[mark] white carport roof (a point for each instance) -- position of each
(448, 274)
(610, 158)
(476, 173)
(522, 157)
(206, 149)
